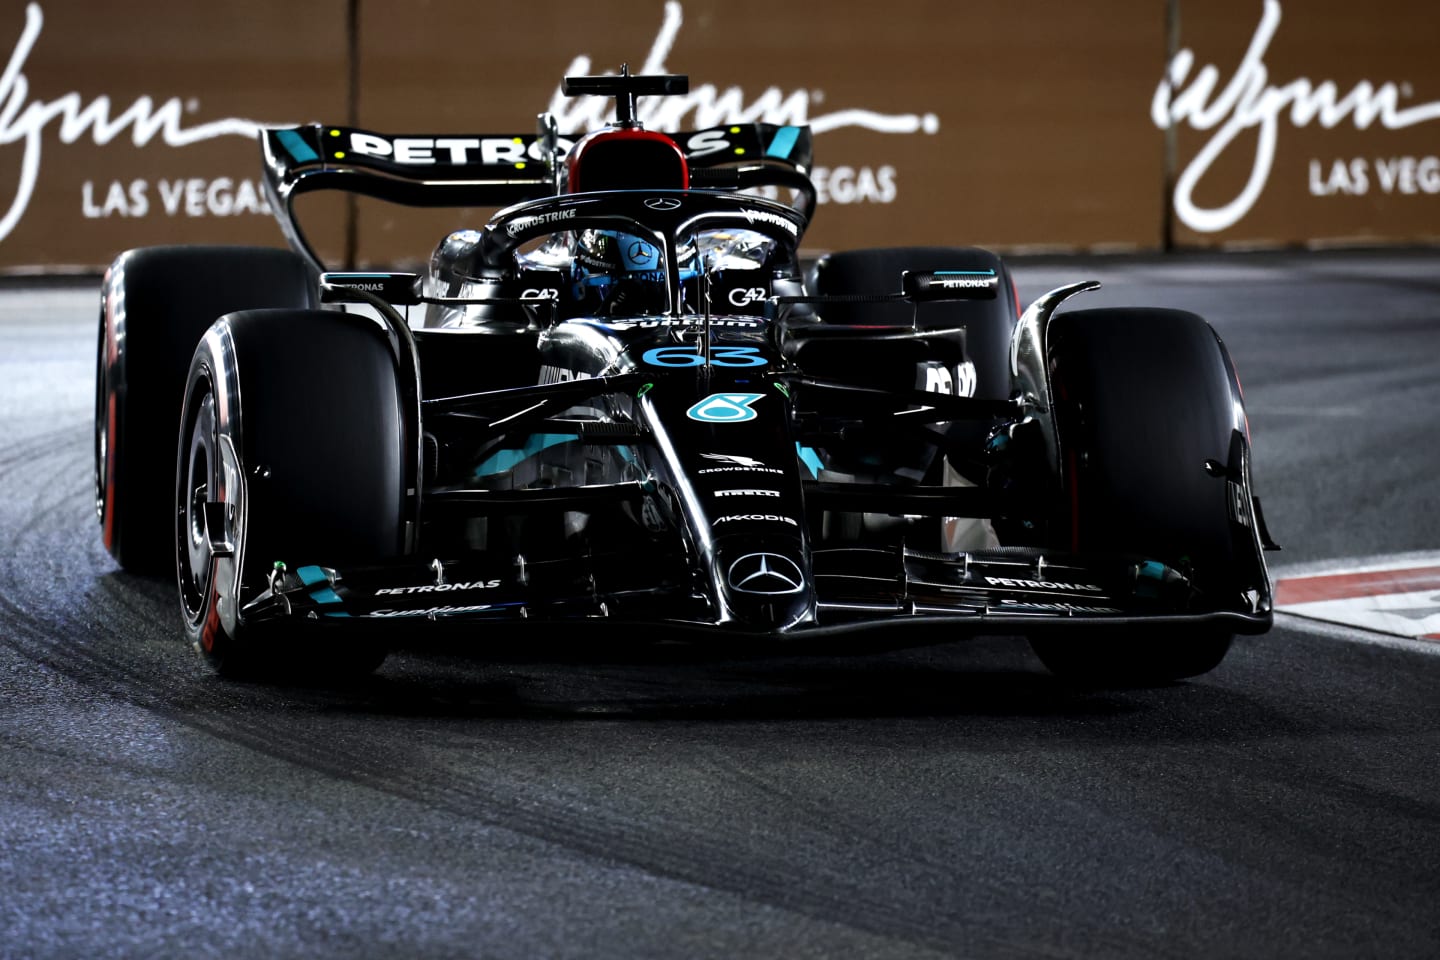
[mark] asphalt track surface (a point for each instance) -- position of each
(950, 801)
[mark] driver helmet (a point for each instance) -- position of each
(617, 272)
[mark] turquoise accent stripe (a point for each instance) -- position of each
(1148, 578)
(312, 575)
(964, 273)
(811, 459)
(506, 460)
(309, 575)
(297, 146)
(337, 613)
(783, 142)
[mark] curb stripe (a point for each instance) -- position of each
(1339, 586)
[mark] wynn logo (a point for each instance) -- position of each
(712, 108)
(1250, 101)
(24, 121)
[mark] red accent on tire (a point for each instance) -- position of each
(108, 531)
(211, 629)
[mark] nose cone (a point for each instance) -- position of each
(767, 588)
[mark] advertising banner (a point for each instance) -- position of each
(133, 124)
(1017, 125)
(1024, 127)
(1304, 123)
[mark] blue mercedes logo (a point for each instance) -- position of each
(766, 573)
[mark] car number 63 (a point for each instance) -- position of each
(692, 357)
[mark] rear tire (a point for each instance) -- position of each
(988, 324)
(1152, 432)
(292, 420)
(155, 304)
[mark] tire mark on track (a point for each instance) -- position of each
(657, 847)
(23, 450)
(79, 641)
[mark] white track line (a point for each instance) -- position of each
(1340, 631)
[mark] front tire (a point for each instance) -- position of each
(1155, 452)
(1127, 657)
(291, 451)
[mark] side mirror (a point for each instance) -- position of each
(397, 289)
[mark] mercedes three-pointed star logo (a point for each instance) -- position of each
(663, 203)
(766, 573)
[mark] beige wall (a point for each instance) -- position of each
(1338, 83)
(1018, 154)
(1029, 125)
(76, 185)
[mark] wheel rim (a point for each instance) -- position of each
(197, 486)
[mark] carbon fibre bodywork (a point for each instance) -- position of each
(698, 469)
(642, 406)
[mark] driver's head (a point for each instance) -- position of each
(619, 273)
(616, 272)
(613, 252)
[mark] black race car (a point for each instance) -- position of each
(627, 400)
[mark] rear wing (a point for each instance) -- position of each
(497, 170)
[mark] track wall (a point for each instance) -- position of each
(1025, 126)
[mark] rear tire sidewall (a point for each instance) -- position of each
(155, 304)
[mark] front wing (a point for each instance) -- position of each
(857, 590)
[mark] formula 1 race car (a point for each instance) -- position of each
(626, 399)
